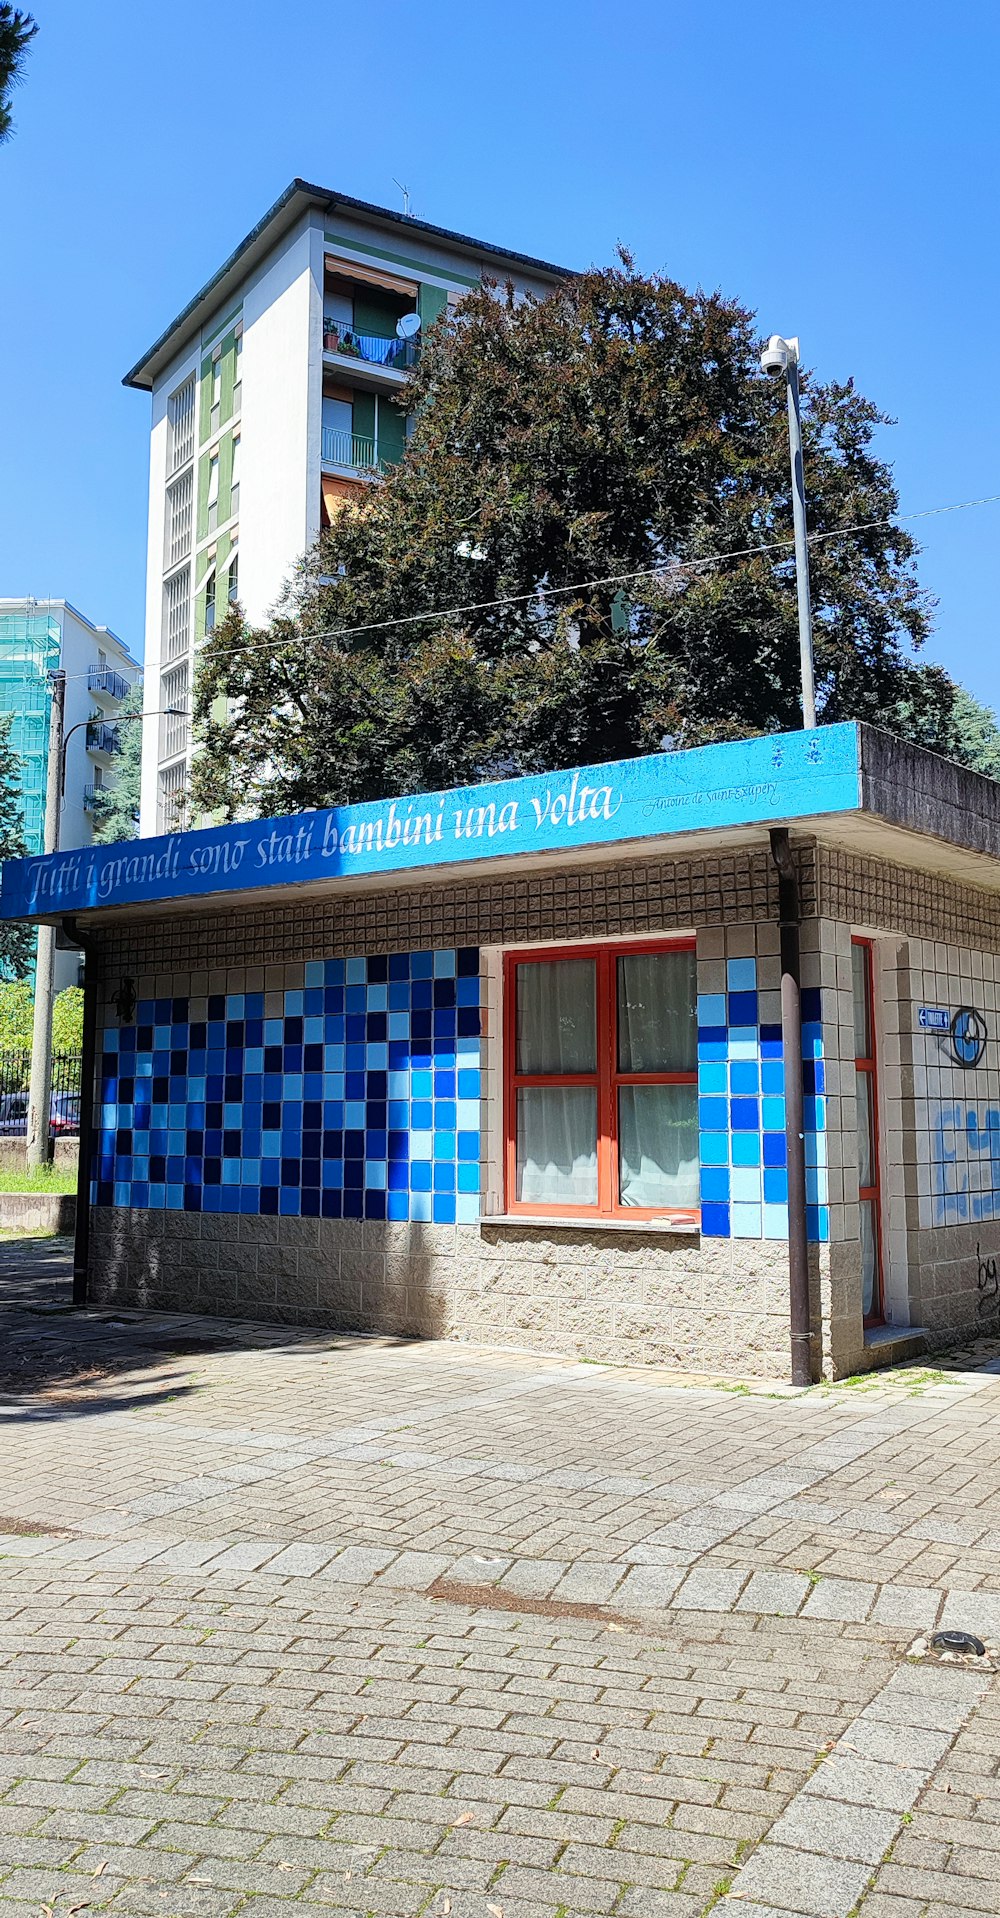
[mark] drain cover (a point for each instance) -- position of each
(958, 1642)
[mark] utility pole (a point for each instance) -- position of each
(37, 1144)
(780, 360)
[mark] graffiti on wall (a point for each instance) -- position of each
(965, 1161)
(988, 1284)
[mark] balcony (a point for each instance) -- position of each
(103, 737)
(104, 680)
(352, 450)
(90, 793)
(392, 354)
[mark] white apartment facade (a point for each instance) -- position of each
(36, 637)
(275, 394)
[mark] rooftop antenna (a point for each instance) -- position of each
(405, 191)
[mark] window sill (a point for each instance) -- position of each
(691, 1227)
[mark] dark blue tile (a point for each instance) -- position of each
(812, 1003)
(422, 995)
(775, 1185)
(715, 1221)
(378, 1085)
(333, 1145)
(421, 965)
(374, 1204)
(775, 1149)
(332, 1204)
(742, 1008)
(467, 961)
(216, 1007)
(268, 1200)
(192, 1198)
(310, 1203)
(744, 1115)
(312, 1058)
(354, 1085)
(291, 1059)
(291, 1172)
(399, 965)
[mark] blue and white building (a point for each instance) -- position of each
(523, 1063)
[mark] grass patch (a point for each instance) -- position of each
(48, 1178)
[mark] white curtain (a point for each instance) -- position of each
(658, 1145)
(556, 1017)
(657, 1023)
(557, 1145)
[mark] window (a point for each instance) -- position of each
(173, 782)
(865, 1077)
(176, 613)
(174, 693)
(601, 1081)
(216, 412)
(234, 487)
(238, 371)
(210, 601)
(180, 425)
(177, 540)
(213, 492)
(233, 588)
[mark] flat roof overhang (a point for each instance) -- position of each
(848, 786)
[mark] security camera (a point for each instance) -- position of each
(775, 356)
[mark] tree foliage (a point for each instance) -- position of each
(116, 807)
(539, 582)
(17, 30)
(17, 1012)
(17, 940)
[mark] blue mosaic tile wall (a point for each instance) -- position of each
(741, 1107)
(360, 1100)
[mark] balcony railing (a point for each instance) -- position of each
(395, 353)
(103, 737)
(90, 797)
(104, 679)
(341, 448)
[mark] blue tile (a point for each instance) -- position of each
(711, 1009)
(713, 1115)
(744, 1115)
(712, 1077)
(775, 1149)
(714, 1148)
(747, 1222)
(715, 1221)
(775, 1185)
(444, 1208)
(742, 1008)
(744, 1076)
(745, 1148)
(745, 1184)
(741, 975)
(714, 1185)
(818, 1222)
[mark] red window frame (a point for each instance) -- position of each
(872, 1194)
(606, 1078)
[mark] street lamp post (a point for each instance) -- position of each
(780, 360)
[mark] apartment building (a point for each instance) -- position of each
(36, 637)
(275, 395)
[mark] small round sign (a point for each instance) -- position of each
(968, 1036)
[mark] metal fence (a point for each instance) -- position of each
(64, 1107)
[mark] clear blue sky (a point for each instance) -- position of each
(838, 174)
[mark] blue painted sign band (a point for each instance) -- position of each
(791, 776)
(934, 1019)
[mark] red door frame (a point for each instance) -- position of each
(872, 1193)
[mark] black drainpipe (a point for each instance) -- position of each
(81, 1246)
(789, 916)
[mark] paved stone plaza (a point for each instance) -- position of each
(296, 1621)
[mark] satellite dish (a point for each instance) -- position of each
(408, 326)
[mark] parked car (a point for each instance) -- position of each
(64, 1114)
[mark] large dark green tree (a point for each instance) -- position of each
(585, 553)
(17, 30)
(17, 941)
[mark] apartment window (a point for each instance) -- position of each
(234, 492)
(213, 492)
(216, 413)
(174, 687)
(177, 614)
(172, 795)
(238, 371)
(177, 542)
(866, 1087)
(180, 425)
(601, 1111)
(210, 600)
(233, 587)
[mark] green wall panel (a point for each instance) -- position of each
(391, 432)
(431, 301)
(363, 416)
(205, 399)
(201, 521)
(376, 312)
(228, 377)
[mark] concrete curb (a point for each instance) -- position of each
(37, 1211)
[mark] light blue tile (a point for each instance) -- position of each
(445, 963)
(293, 1089)
(333, 1085)
(230, 1172)
(743, 1042)
(377, 1056)
(315, 972)
(250, 1170)
(294, 1005)
(467, 1208)
(253, 1060)
(123, 1192)
(398, 1084)
(398, 1115)
(741, 975)
(421, 1083)
(776, 1222)
(175, 1198)
(312, 1030)
(712, 1076)
(333, 1058)
(745, 1183)
(354, 1115)
(714, 1148)
(378, 996)
(816, 1148)
(421, 1145)
(157, 1197)
(746, 1148)
(398, 1025)
(421, 1204)
(817, 1191)
(274, 1032)
(235, 1005)
(746, 1221)
(711, 1008)
(467, 1115)
(356, 972)
(375, 1175)
(232, 1116)
(772, 1115)
(467, 1048)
